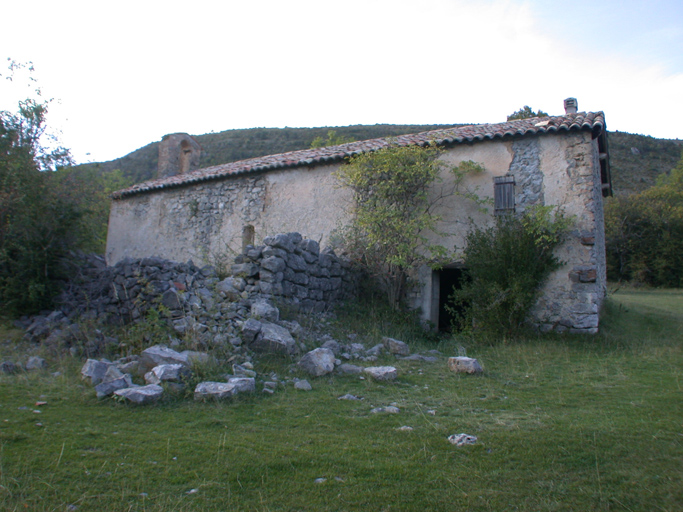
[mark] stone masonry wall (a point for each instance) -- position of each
(294, 269)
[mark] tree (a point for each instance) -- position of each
(332, 140)
(46, 210)
(393, 211)
(644, 233)
(525, 113)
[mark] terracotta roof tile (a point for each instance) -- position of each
(593, 121)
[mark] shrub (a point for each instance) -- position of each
(505, 266)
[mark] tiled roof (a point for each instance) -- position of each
(593, 121)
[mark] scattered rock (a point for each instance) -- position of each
(462, 439)
(160, 354)
(381, 372)
(167, 372)
(95, 370)
(35, 363)
(104, 389)
(395, 346)
(9, 367)
(243, 384)
(318, 362)
(141, 395)
(303, 385)
(464, 365)
(349, 396)
(349, 369)
(264, 310)
(215, 390)
(274, 339)
(390, 409)
(419, 357)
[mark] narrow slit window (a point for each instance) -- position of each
(504, 195)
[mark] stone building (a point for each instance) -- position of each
(557, 160)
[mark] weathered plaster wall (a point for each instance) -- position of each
(561, 170)
(205, 221)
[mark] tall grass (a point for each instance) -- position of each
(563, 423)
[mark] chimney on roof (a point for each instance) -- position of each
(571, 106)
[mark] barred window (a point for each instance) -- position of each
(504, 195)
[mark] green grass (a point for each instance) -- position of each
(564, 423)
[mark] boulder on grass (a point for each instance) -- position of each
(243, 384)
(166, 372)
(318, 362)
(215, 390)
(464, 365)
(160, 354)
(396, 347)
(141, 395)
(107, 388)
(36, 363)
(95, 370)
(381, 372)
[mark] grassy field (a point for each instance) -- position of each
(563, 423)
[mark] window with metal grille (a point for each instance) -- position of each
(504, 195)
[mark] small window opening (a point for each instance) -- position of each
(503, 195)
(247, 237)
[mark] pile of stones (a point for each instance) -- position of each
(194, 301)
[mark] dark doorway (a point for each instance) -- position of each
(449, 278)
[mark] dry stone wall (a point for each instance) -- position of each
(295, 270)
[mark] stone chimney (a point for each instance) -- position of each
(571, 106)
(178, 153)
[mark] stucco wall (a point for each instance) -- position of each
(202, 222)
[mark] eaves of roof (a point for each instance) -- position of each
(592, 121)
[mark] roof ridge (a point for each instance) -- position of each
(594, 121)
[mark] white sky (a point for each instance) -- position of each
(125, 73)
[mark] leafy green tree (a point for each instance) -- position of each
(644, 233)
(505, 266)
(332, 140)
(393, 211)
(525, 113)
(46, 210)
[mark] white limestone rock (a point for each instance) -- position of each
(318, 362)
(166, 372)
(160, 354)
(243, 384)
(381, 372)
(264, 310)
(303, 385)
(274, 339)
(141, 395)
(215, 390)
(107, 388)
(94, 370)
(462, 439)
(396, 347)
(464, 365)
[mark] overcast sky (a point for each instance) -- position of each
(125, 73)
